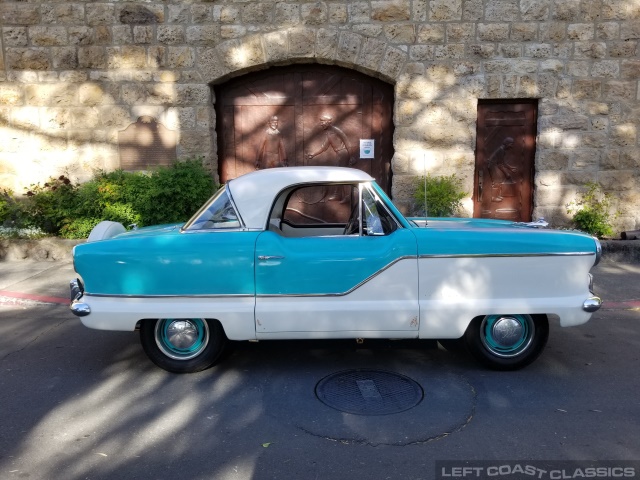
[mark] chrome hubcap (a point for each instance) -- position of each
(181, 339)
(507, 335)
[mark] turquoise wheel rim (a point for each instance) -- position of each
(182, 338)
(507, 336)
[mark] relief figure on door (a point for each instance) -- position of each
(272, 152)
(500, 171)
(339, 143)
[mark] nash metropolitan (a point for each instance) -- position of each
(321, 252)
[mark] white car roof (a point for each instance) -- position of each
(255, 192)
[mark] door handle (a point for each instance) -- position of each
(270, 257)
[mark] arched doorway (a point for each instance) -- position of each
(305, 115)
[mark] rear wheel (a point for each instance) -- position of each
(182, 345)
(507, 342)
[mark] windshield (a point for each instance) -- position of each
(217, 213)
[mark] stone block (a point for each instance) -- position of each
(531, 10)
(390, 10)
(100, 14)
(180, 57)
(501, 11)
(64, 58)
(580, 31)
(314, 13)
(122, 34)
(327, 41)
(393, 63)
(170, 34)
(192, 95)
(81, 35)
(608, 30)
(368, 29)
(203, 35)
(445, 10)
(553, 31)
(372, 53)
(229, 14)
(288, 14)
(276, 46)
(142, 34)
(486, 50)
(202, 13)
(302, 42)
(156, 56)
(178, 14)
(28, 58)
(590, 49)
(257, 13)
(421, 53)
(449, 51)
(552, 160)
(11, 94)
(14, 13)
(400, 33)
(605, 68)
(472, 10)
(140, 14)
(15, 36)
(419, 12)
(615, 90)
(630, 30)
(359, 12)
(567, 10)
(510, 50)
(348, 47)
(431, 33)
(493, 32)
(210, 65)
(630, 69)
(624, 135)
(538, 50)
(628, 48)
(460, 32)
(232, 31)
(524, 32)
(585, 160)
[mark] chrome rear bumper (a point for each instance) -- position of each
(78, 308)
(593, 303)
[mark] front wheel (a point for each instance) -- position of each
(507, 342)
(182, 345)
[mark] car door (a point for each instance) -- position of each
(358, 279)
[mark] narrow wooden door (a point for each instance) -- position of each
(505, 153)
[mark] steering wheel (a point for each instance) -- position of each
(353, 224)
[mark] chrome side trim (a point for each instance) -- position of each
(340, 294)
(490, 255)
(204, 295)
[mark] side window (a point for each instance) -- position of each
(376, 219)
(217, 214)
(320, 206)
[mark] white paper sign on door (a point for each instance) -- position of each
(366, 148)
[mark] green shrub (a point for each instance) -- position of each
(591, 211)
(443, 195)
(166, 195)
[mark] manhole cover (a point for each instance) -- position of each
(369, 392)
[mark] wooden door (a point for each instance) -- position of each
(304, 115)
(505, 153)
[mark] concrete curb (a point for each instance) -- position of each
(54, 249)
(43, 249)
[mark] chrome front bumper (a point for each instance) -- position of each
(78, 308)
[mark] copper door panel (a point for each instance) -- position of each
(504, 161)
(304, 115)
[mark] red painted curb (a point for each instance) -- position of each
(36, 298)
(621, 305)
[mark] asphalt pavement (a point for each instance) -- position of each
(84, 404)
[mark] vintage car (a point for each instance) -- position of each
(322, 253)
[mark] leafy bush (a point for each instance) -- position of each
(591, 212)
(443, 195)
(166, 195)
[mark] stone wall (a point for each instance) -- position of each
(74, 74)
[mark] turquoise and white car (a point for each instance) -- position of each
(321, 252)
